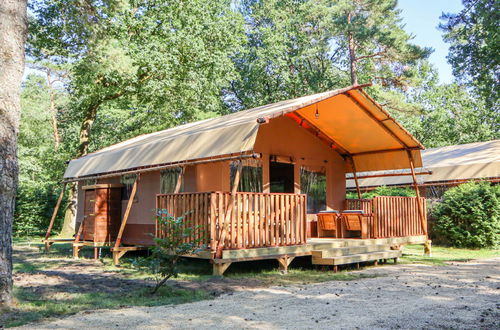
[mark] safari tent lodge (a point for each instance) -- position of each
(264, 183)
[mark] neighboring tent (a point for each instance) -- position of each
(449, 165)
(348, 120)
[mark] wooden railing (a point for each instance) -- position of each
(392, 216)
(256, 220)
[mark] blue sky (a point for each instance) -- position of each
(422, 19)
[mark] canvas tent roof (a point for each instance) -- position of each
(452, 163)
(356, 124)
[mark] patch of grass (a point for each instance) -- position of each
(441, 255)
(298, 276)
(32, 306)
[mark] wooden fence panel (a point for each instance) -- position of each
(256, 220)
(398, 216)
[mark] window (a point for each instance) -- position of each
(251, 175)
(128, 182)
(168, 180)
(313, 183)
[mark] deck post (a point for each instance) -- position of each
(353, 166)
(227, 214)
(284, 262)
(419, 203)
(220, 268)
(118, 241)
(53, 218)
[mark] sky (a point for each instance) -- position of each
(421, 18)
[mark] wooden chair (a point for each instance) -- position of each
(356, 220)
(327, 220)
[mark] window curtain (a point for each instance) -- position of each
(168, 180)
(313, 184)
(128, 181)
(251, 175)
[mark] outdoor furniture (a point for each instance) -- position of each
(327, 220)
(355, 220)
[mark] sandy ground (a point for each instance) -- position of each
(457, 296)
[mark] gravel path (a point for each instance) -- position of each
(458, 296)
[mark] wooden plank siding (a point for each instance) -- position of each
(257, 220)
(391, 216)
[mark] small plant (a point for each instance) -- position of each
(177, 238)
(469, 216)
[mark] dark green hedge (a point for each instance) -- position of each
(469, 216)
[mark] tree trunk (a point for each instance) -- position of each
(69, 223)
(12, 37)
(85, 129)
(53, 111)
(352, 52)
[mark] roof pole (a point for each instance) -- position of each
(127, 213)
(180, 178)
(227, 215)
(54, 214)
(353, 166)
(423, 219)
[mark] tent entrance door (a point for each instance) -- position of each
(281, 177)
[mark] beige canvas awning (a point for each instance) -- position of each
(480, 160)
(348, 119)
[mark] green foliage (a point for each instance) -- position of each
(296, 48)
(137, 66)
(469, 215)
(475, 47)
(179, 238)
(447, 114)
(40, 167)
(383, 191)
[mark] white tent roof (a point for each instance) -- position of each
(236, 134)
(458, 162)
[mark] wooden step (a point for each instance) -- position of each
(325, 243)
(350, 250)
(354, 258)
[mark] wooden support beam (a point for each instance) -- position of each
(421, 214)
(54, 213)
(127, 212)
(390, 174)
(284, 262)
(428, 248)
(227, 214)
(120, 251)
(220, 268)
(180, 178)
(353, 166)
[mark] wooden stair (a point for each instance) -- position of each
(348, 251)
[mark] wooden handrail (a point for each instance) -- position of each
(393, 216)
(256, 219)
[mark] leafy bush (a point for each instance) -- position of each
(34, 206)
(469, 215)
(167, 252)
(383, 191)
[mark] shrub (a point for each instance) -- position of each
(384, 191)
(167, 251)
(469, 215)
(34, 206)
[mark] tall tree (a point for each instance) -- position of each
(298, 47)
(136, 65)
(12, 38)
(378, 49)
(475, 47)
